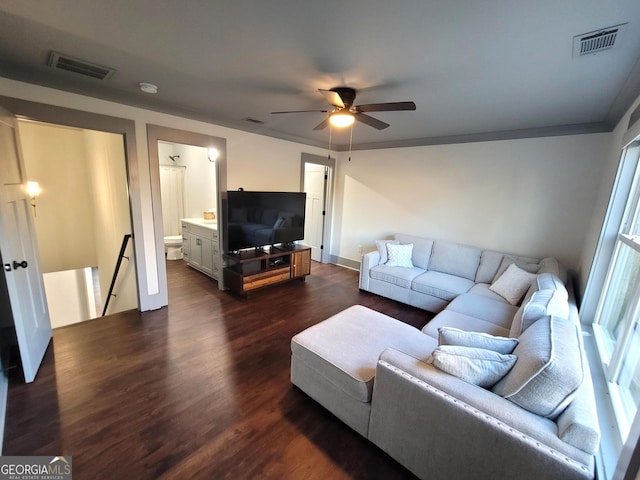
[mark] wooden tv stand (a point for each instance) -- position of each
(252, 269)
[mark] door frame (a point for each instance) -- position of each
(156, 133)
(146, 261)
(330, 163)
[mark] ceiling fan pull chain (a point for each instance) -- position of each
(330, 132)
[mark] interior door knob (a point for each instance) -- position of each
(22, 264)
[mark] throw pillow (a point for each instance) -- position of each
(399, 255)
(528, 265)
(513, 284)
(382, 249)
(473, 365)
(455, 336)
(549, 369)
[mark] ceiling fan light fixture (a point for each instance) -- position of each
(342, 118)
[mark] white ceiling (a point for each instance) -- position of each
(475, 69)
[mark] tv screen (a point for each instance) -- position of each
(256, 219)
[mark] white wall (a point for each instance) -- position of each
(111, 218)
(55, 157)
(67, 297)
(532, 196)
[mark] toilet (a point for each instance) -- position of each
(173, 247)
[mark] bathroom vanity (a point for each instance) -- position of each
(200, 245)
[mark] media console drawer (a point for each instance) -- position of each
(266, 278)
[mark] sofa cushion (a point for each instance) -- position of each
(461, 338)
(484, 307)
(549, 368)
(552, 265)
(550, 281)
(455, 259)
(399, 255)
(382, 249)
(400, 276)
(482, 289)
(527, 264)
(545, 281)
(513, 284)
(542, 303)
(473, 365)
(441, 285)
(344, 349)
(421, 249)
(489, 264)
(448, 318)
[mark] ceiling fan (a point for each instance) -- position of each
(344, 113)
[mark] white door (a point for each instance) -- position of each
(20, 253)
(315, 178)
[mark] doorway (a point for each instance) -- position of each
(201, 161)
(81, 217)
(317, 183)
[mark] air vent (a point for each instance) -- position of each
(82, 67)
(253, 120)
(597, 41)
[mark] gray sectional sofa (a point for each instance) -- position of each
(441, 271)
(435, 399)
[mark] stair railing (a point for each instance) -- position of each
(125, 240)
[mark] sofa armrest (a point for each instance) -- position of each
(432, 422)
(368, 261)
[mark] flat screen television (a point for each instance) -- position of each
(257, 219)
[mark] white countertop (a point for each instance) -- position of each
(212, 224)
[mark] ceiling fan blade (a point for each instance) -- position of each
(386, 107)
(372, 122)
(332, 97)
(322, 124)
(300, 111)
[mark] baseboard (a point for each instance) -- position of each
(345, 262)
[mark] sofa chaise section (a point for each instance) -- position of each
(335, 361)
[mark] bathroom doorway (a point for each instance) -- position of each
(188, 184)
(188, 172)
(81, 216)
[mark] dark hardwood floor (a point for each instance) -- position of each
(198, 389)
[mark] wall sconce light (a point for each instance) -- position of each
(341, 118)
(213, 154)
(33, 190)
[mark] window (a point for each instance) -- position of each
(617, 318)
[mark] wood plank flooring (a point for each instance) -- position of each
(198, 389)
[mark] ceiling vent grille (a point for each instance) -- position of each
(81, 67)
(597, 41)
